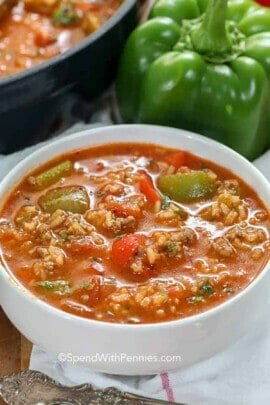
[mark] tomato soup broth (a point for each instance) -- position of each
(33, 31)
(134, 233)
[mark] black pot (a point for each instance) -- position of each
(50, 97)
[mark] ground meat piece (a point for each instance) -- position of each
(184, 235)
(112, 188)
(222, 247)
(168, 244)
(244, 237)
(51, 258)
(106, 220)
(52, 254)
(227, 208)
(53, 229)
(146, 297)
(125, 175)
(57, 219)
(117, 214)
(230, 187)
(8, 232)
(173, 215)
(161, 246)
(25, 214)
(123, 207)
(77, 226)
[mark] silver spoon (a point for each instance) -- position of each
(34, 388)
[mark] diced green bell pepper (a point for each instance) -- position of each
(187, 187)
(69, 199)
(51, 176)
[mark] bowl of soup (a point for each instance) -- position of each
(57, 56)
(143, 242)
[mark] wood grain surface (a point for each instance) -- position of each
(15, 349)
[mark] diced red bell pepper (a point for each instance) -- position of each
(44, 38)
(147, 188)
(125, 249)
(176, 159)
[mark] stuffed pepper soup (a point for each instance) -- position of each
(134, 233)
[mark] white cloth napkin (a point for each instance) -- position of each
(238, 376)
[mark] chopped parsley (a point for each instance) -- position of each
(60, 287)
(172, 248)
(206, 288)
(48, 285)
(165, 202)
(65, 15)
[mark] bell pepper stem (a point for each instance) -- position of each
(211, 36)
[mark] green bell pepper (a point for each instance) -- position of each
(70, 199)
(50, 176)
(187, 187)
(201, 65)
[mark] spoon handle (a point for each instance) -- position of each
(31, 387)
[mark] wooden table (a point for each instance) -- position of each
(15, 349)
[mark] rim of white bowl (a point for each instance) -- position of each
(137, 328)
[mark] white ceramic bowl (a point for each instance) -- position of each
(194, 338)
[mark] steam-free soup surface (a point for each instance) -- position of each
(134, 233)
(32, 31)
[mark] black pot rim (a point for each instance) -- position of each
(124, 9)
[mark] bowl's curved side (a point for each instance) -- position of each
(192, 338)
(135, 350)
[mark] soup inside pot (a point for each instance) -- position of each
(134, 233)
(32, 31)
